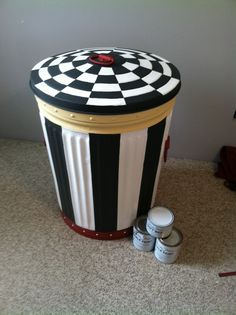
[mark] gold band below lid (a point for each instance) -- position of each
(105, 124)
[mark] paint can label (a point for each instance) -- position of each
(158, 231)
(166, 254)
(142, 241)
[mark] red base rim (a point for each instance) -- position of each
(113, 235)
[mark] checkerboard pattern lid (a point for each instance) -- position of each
(124, 81)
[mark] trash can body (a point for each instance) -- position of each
(105, 127)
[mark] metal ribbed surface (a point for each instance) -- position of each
(132, 153)
(77, 154)
(166, 133)
(50, 158)
(108, 179)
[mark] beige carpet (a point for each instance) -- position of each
(46, 268)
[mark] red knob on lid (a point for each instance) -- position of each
(103, 60)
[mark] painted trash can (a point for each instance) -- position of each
(105, 114)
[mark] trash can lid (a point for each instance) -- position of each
(105, 80)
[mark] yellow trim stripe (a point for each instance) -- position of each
(105, 124)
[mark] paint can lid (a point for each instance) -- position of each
(140, 225)
(174, 239)
(105, 80)
(161, 216)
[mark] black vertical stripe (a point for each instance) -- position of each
(152, 155)
(104, 152)
(54, 133)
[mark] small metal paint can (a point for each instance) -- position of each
(142, 240)
(160, 222)
(167, 249)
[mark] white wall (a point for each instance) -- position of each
(197, 36)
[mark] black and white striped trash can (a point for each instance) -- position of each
(105, 114)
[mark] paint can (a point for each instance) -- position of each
(167, 249)
(160, 222)
(141, 239)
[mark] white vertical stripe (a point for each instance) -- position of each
(50, 157)
(77, 155)
(161, 159)
(132, 154)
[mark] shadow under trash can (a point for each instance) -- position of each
(105, 115)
